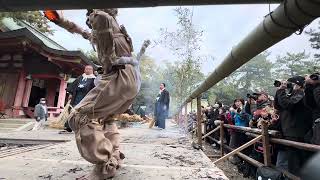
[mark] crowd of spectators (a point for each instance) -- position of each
(294, 111)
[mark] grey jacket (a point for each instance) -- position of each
(39, 113)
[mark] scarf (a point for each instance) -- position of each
(85, 77)
(158, 97)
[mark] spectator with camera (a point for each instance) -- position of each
(240, 118)
(312, 100)
(258, 106)
(258, 101)
(295, 119)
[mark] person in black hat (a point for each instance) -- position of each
(312, 100)
(295, 118)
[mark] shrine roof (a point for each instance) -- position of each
(8, 24)
(25, 31)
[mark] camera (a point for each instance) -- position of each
(253, 96)
(278, 84)
(315, 76)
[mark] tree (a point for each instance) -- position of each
(225, 92)
(254, 76)
(92, 55)
(151, 78)
(293, 64)
(315, 40)
(184, 42)
(148, 68)
(34, 18)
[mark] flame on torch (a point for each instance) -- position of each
(52, 15)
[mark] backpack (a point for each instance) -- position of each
(316, 132)
(246, 168)
(268, 173)
(313, 136)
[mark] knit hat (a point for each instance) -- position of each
(299, 80)
(261, 93)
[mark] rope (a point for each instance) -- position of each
(300, 27)
(297, 26)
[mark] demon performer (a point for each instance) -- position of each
(97, 136)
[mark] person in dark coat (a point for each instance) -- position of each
(295, 119)
(312, 100)
(162, 107)
(80, 88)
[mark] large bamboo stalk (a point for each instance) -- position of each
(286, 19)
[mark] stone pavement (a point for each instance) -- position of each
(150, 154)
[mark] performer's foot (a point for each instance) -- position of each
(102, 171)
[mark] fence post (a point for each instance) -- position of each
(199, 119)
(186, 117)
(180, 118)
(266, 144)
(221, 138)
(186, 109)
(205, 130)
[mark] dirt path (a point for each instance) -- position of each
(150, 154)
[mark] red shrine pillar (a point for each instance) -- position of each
(62, 92)
(27, 92)
(17, 110)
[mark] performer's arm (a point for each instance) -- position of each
(70, 26)
(145, 44)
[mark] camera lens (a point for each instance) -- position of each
(290, 86)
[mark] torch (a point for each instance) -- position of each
(55, 17)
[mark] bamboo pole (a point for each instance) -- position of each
(209, 133)
(199, 119)
(221, 139)
(266, 34)
(239, 149)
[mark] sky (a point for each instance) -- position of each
(223, 25)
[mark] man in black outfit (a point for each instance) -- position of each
(80, 88)
(312, 100)
(162, 107)
(295, 119)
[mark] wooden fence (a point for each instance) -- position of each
(263, 134)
